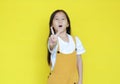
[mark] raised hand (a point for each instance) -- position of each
(53, 39)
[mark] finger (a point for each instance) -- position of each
(52, 31)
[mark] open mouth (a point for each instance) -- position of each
(60, 25)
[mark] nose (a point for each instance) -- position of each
(60, 21)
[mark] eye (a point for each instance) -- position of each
(56, 18)
(63, 18)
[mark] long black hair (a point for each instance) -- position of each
(68, 29)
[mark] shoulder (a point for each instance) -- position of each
(76, 38)
(78, 41)
(79, 46)
(71, 36)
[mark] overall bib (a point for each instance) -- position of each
(65, 69)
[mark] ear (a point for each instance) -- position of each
(67, 25)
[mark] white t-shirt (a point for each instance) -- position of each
(66, 48)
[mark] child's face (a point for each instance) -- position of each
(60, 22)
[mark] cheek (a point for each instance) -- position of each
(54, 23)
(66, 23)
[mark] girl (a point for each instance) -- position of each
(64, 51)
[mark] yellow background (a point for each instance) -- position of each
(24, 31)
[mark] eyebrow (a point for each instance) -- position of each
(62, 16)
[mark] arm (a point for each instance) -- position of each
(80, 50)
(80, 68)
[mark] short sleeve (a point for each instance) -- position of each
(79, 46)
(53, 55)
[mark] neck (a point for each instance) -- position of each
(64, 36)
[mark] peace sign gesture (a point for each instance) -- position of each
(53, 39)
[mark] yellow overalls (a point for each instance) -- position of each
(65, 69)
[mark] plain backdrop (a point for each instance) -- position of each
(24, 31)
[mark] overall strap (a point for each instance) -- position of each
(58, 48)
(74, 42)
